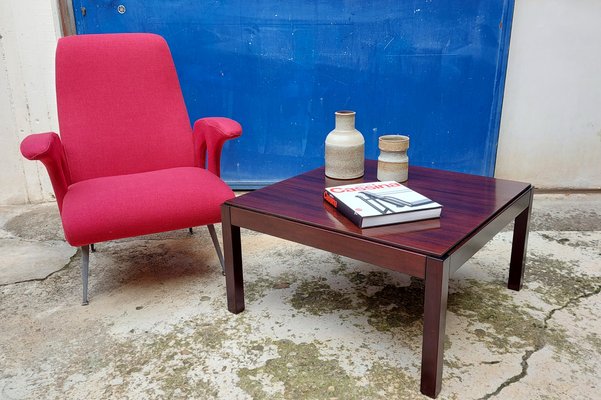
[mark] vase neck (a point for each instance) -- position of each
(345, 120)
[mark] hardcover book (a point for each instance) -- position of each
(380, 203)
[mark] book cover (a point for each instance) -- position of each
(381, 203)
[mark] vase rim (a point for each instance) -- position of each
(394, 137)
(345, 112)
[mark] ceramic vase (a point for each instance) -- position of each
(393, 162)
(345, 148)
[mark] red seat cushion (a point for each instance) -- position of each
(114, 207)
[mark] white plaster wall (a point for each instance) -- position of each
(551, 122)
(29, 30)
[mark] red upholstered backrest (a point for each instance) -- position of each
(120, 106)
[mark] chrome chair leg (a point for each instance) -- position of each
(217, 247)
(85, 262)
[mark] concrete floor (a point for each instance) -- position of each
(316, 326)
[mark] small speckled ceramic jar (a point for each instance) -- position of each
(393, 162)
(345, 148)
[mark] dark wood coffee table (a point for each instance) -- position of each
(475, 209)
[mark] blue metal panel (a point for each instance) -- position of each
(431, 69)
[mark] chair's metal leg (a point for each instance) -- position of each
(217, 248)
(191, 231)
(85, 262)
(93, 248)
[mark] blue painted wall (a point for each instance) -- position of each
(433, 70)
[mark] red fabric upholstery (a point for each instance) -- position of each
(127, 162)
(120, 106)
(47, 148)
(115, 207)
(209, 135)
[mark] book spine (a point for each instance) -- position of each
(343, 208)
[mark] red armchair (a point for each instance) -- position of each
(127, 162)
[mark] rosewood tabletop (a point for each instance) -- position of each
(475, 208)
(468, 202)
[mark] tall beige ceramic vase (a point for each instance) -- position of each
(345, 148)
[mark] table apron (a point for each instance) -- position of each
(465, 250)
(378, 254)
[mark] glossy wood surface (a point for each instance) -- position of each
(469, 203)
(517, 265)
(232, 251)
(435, 311)
(350, 246)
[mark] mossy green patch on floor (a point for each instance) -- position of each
(511, 325)
(302, 372)
(395, 306)
(168, 360)
(555, 238)
(387, 382)
(317, 297)
(362, 280)
(260, 286)
(558, 281)
(389, 306)
(341, 265)
(595, 341)
(173, 357)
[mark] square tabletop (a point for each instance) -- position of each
(468, 203)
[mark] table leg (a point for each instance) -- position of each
(233, 262)
(519, 247)
(435, 311)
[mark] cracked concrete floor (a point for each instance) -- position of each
(316, 326)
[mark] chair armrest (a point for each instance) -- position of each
(47, 148)
(209, 136)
